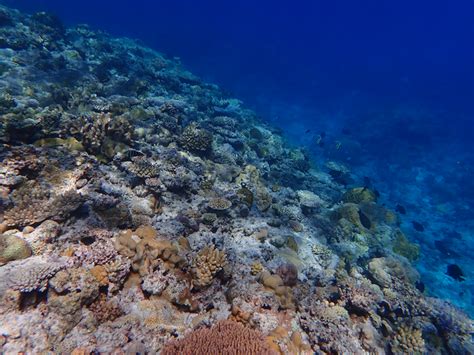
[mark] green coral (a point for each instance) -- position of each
(403, 247)
(358, 195)
(13, 248)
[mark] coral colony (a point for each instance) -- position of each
(144, 211)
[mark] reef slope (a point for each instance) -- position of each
(143, 210)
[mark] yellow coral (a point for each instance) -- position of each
(207, 263)
(256, 268)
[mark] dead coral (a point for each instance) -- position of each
(225, 337)
(207, 263)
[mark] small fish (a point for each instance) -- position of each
(323, 134)
(307, 131)
(364, 220)
(338, 145)
(400, 209)
(319, 140)
(346, 131)
(455, 272)
(418, 226)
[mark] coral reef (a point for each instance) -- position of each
(143, 210)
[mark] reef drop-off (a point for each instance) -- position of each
(144, 210)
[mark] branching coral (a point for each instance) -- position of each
(207, 263)
(225, 337)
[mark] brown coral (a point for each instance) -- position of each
(207, 263)
(196, 139)
(145, 250)
(408, 340)
(225, 337)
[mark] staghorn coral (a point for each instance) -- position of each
(13, 248)
(224, 337)
(196, 139)
(206, 264)
(408, 340)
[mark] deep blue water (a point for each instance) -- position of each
(392, 81)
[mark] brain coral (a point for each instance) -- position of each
(225, 337)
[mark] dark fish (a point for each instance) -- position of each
(400, 209)
(455, 272)
(364, 220)
(307, 131)
(323, 134)
(376, 192)
(367, 182)
(420, 285)
(418, 226)
(346, 131)
(445, 246)
(321, 144)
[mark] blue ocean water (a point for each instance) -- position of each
(388, 87)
